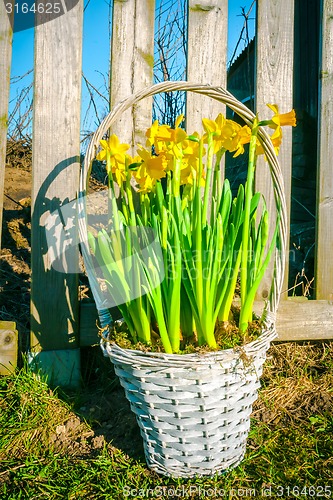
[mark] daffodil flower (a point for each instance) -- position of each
(154, 165)
(188, 174)
(242, 137)
(280, 120)
(114, 153)
(151, 133)
(119, 171)
(162, 137)
(157, 136)
(276, 143)
(225, 134)
(145, 182)
(112, 150)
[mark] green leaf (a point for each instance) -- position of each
(238, 207)
(134, 166)
(225, 204)
(193, 138)
(92, 242)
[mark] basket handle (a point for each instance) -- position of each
(223, 96)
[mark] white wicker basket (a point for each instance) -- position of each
(193, 410)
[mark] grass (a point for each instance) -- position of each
(87, 445)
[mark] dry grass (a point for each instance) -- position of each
(19, 153)
(297, 384)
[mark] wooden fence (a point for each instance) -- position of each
(59, 326)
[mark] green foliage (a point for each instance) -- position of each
(209, 241)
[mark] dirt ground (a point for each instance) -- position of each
(15, 251)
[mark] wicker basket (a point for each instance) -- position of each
(193, 410)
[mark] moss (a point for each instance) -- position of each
(203, 7)
(227, 336)
(3, 122)
(147, 57)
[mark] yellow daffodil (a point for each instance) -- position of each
(191, 150)
(155, 165)
(163, 137)
(188, 174)
(119, 171)
(224, 133)
(113, 151)
(210, 126)
(157, 136)
(242, 137)
(145, 182)
(190, 162)
(276, 143)
(280, 120)
(151, 133)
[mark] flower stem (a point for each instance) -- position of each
(243, 322)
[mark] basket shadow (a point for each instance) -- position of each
(103, 404)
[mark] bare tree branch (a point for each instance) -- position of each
(244, 28)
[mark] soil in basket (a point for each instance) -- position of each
(227, 336)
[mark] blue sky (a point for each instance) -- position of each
(96, 47)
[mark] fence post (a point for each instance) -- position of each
(324, 238)
(55, 179)
(274, 85)
(6, 34)
(132, 62)
(206, 57)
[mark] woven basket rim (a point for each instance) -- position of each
(225, 97)
(134, 355)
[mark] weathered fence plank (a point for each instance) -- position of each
(298, 320)
(6, 34)
(324, 267)
(206, 57)
(55, 180)
(274, 85)
(132, 61)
